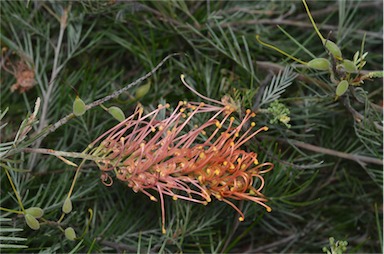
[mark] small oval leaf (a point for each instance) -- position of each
(36, 212)
(117, 113)
(142, 90)
(67, 206)
(70, 233)
(319, 64)
(342, 87)
(78, 107)
(32, 222)
(333, 49)
(349, 66)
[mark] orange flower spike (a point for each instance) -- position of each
(154, 154)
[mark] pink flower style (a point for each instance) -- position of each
(174, 157)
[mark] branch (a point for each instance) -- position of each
(119, 247)
(61, 153)
(51, 85)
(51, 128)
(354, 157)
(296, 24)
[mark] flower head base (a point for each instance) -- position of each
(174, 157)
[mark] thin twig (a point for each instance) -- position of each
(276, 68)
(334, 8)
(296, 24)
(354, 157)
(51, 85)
(235, 224)
(284, 241)
(55, 71)
(65, 119)
(356, 115)
(119, 247)
(276, 158)
(60, 153)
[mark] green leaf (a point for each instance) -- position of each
(36, 212)
(67, 206)
(78, 107)
(70, 233)
(117, 113)
(342, 87)
(142, 90)
(32, 222)
(321, 64)
(333, 49)
(349, 66)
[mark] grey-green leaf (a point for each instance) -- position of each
(117, 113)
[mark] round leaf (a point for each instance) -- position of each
(78, 107)
(70, 233)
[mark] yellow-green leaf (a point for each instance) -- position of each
(117, 113)
(319, 64)
(142, 90)
(70, 233)
(78, 107)
(349, 66)
(67, 206)
(32, 222)
(333, 49)
(342, 87)
(36, 212)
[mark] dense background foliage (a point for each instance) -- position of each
(315, 193)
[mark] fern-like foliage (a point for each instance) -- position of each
(278, 85)
(230, 46)
(8, 236)
(4, 147)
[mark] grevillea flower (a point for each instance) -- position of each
(164, 150)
